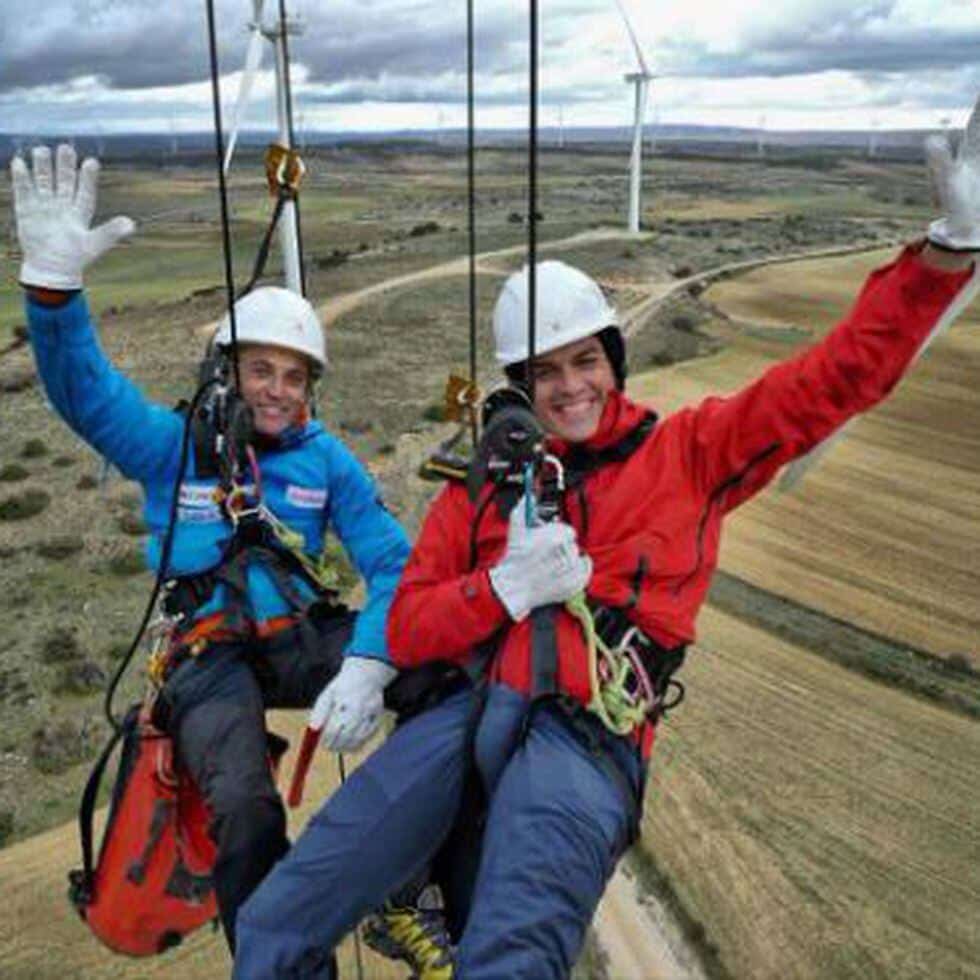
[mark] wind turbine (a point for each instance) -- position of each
(873, 138)
(276, 34)
(640, 80)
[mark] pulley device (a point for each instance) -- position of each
(222, 425)
(460, 404)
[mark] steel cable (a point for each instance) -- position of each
(219, 143)
(532, 195)
(287, 85)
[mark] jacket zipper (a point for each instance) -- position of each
(713, 498)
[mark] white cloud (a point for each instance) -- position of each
(371, 63)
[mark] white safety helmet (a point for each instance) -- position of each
(279, 317)
(569, 306)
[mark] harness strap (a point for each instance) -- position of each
(283, 195)
(253, 541)
(82, 880)
(544, 652)
(581, 461)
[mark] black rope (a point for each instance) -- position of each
(292, 137)
(532, 195)
(219, 145)
(471, 197)
(165, 551)
(263, 252)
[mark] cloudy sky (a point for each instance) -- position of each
(74, 66)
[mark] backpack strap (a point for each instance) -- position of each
(80, 881)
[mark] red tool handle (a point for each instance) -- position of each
(311, 738)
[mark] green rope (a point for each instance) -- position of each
(610, 698)
(320, 569)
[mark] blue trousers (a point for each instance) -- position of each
(557, 823)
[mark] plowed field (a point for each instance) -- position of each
(817, 823)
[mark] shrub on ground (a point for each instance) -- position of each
(959, 663)
(127, 562)
(59, 745)
(132, 524)
(12, 472)
(21, 506)
(34, 448)
(61, 546)
(83, 677)
(59, 645)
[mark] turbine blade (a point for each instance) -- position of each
(633, 38)
(970, 147)
(253, 59)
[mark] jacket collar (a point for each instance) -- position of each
(289, 438)
(620, 416)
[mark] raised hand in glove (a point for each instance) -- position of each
(956, 184)
(53, 213)
(542, 565)
(349, 708)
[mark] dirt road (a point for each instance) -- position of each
(637, 938)
(334, 308)
(339, 305)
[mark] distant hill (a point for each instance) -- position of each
(668, 139)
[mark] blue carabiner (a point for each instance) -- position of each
(530, 502)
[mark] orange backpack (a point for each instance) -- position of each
(151, 885)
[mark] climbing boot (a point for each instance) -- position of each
(415, 935)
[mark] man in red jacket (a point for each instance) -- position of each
(560, 735)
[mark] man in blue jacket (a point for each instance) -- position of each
(253, 628)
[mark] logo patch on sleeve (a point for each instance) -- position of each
(311, 498)
(198, 505)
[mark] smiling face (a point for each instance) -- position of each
(571, 384)
(275, 384)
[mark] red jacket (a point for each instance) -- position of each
(658, 515)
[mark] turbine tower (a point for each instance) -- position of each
(873, 138)
(640, 80)
(275, 33)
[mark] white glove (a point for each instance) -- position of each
(542, 565)
(349, 708)
(53, 219)
(956, 185)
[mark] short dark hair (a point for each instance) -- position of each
(613, 346)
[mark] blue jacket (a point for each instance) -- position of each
(312, 482)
